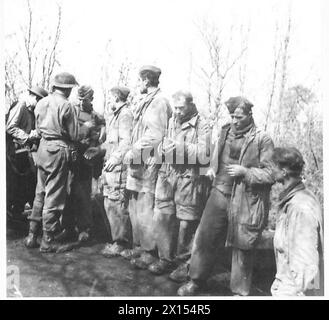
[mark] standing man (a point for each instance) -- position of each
(118, 139)
(150, 124)
(78, 209)
(22, 139)
(238, 205)
(57, 124)
(181, 189)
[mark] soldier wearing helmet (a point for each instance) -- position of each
(21, 139)
(78, 211)
(57, 125)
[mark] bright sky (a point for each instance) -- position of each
(165, 33)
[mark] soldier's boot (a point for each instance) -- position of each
(180, 274)
(48, 243)
(191, 288)
(31, 240)
(160, 267)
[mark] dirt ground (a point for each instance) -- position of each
(83, 272)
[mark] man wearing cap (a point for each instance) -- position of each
(78, 209)
(237, 208)
(22, 139)
(181, 188)
(57, 124)
(118, 139)
(151, 118)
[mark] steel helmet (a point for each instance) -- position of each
(38, 91)
(64, 80)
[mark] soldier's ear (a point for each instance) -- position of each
(284, 172)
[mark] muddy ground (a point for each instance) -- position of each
(83, 272)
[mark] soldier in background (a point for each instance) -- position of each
(118, 139)
(150, 124)
(22, 141)
(57, 124)
(78, 209)
(181, 189)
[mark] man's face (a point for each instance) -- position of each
(181, 108)
(278, 173)
(87, 102)
(240, 120)
(143, 85)
(113, 100)
(32, 100)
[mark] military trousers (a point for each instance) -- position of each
(118, 217)
(241, 271)
(178, 207)
(78, 208)
(210, 236)
(53, 182)
(141, 212)
(21, 182)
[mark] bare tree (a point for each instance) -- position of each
(32, 55)
(220, 62)
(243, 64)
(50, 54)
(277, 55)
(284, 62)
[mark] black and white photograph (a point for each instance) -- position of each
(164, 149)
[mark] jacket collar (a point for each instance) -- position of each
(190, 123)
(288, 193)
(116, 111)
(250, 136)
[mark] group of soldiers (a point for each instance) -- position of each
(173, 200)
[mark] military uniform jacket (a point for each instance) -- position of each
(21, 121)
(249, 204)
(194, 136)
(298, 243)
(118, 142)
(56, 120)
(150, 124)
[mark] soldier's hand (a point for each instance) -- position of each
(235, 170)
(109, 165)
(150, 161)
(91, 153)
(211, 173)
(33, 136)
(169, 145)
(89, 124)
(128, 157)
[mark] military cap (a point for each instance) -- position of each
(121, 91)
(85, 92)
(64, 80)
(238, 102)
(38, 91)
(155, 71)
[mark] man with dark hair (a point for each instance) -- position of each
(118, 139)
(150, 124)
(298, 239)
(57, 124)
(181, 189)
(237, 208)
(22, 139)
(78, 209)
